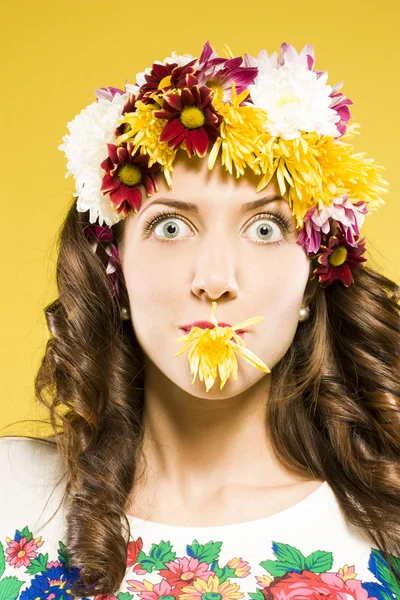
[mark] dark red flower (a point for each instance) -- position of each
(129, 107)
(165, 78)
(124, 176)
(97, 233)
(192, 119)
(338, 259)
(113, 268)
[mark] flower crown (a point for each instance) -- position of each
(271, 114)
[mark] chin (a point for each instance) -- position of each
(247, 377)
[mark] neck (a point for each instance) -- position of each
(194, 443)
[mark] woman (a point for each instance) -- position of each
(262, 461)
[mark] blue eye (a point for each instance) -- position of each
(264, 229)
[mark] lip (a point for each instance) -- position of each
(209, 325)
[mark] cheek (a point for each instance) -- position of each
(280, 275)
(281, 289)
(156, 286)
(275, 277)
(154, 272)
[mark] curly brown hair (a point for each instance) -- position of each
(333, 410)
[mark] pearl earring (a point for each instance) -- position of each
(304, 313)
(125, 316)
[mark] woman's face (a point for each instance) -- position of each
(249, 267)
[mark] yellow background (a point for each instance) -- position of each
(55, 54)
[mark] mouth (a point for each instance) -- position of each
(209, 325)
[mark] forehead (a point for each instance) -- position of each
(210, 192)
(192, 181)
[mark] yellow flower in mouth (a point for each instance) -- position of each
(213, 348)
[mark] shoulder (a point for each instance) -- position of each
(32, 478)
(25, 457)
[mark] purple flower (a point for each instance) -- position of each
(347, 215)
(215, 72)
(107, 93)
(340, 103)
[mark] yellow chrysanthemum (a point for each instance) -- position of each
(201, 588)
(212, 349)
(144, 133)
(241, 133)
(310, 169)
(316, 169)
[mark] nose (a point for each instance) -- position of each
(215, 274)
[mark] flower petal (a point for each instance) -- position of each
(246, 323)
(173, 132)
(250, 357)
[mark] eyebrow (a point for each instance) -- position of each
(191, 207)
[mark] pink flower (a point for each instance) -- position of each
(184, 571)
(20, 552)
(310, 585)
(347, 215)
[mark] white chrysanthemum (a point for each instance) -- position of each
(86, 148)
(295, 98)
(140, 80)
(180, 59)
(90, 198)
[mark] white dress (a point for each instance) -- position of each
(307, 551)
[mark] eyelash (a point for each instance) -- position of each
(279, 218)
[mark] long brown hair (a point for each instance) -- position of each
(333, 411)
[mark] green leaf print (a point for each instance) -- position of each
(290, 559)
(124, 596)
(208, 552)
(225, 573)
(159, 555)
(9, 588)
(38, 565)
(277, 568)
(258, 595)
(395, 561)
(2, 560)
(319, 561)
(383, 573)
(63, 555)
(289, 554)
(26, 532)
